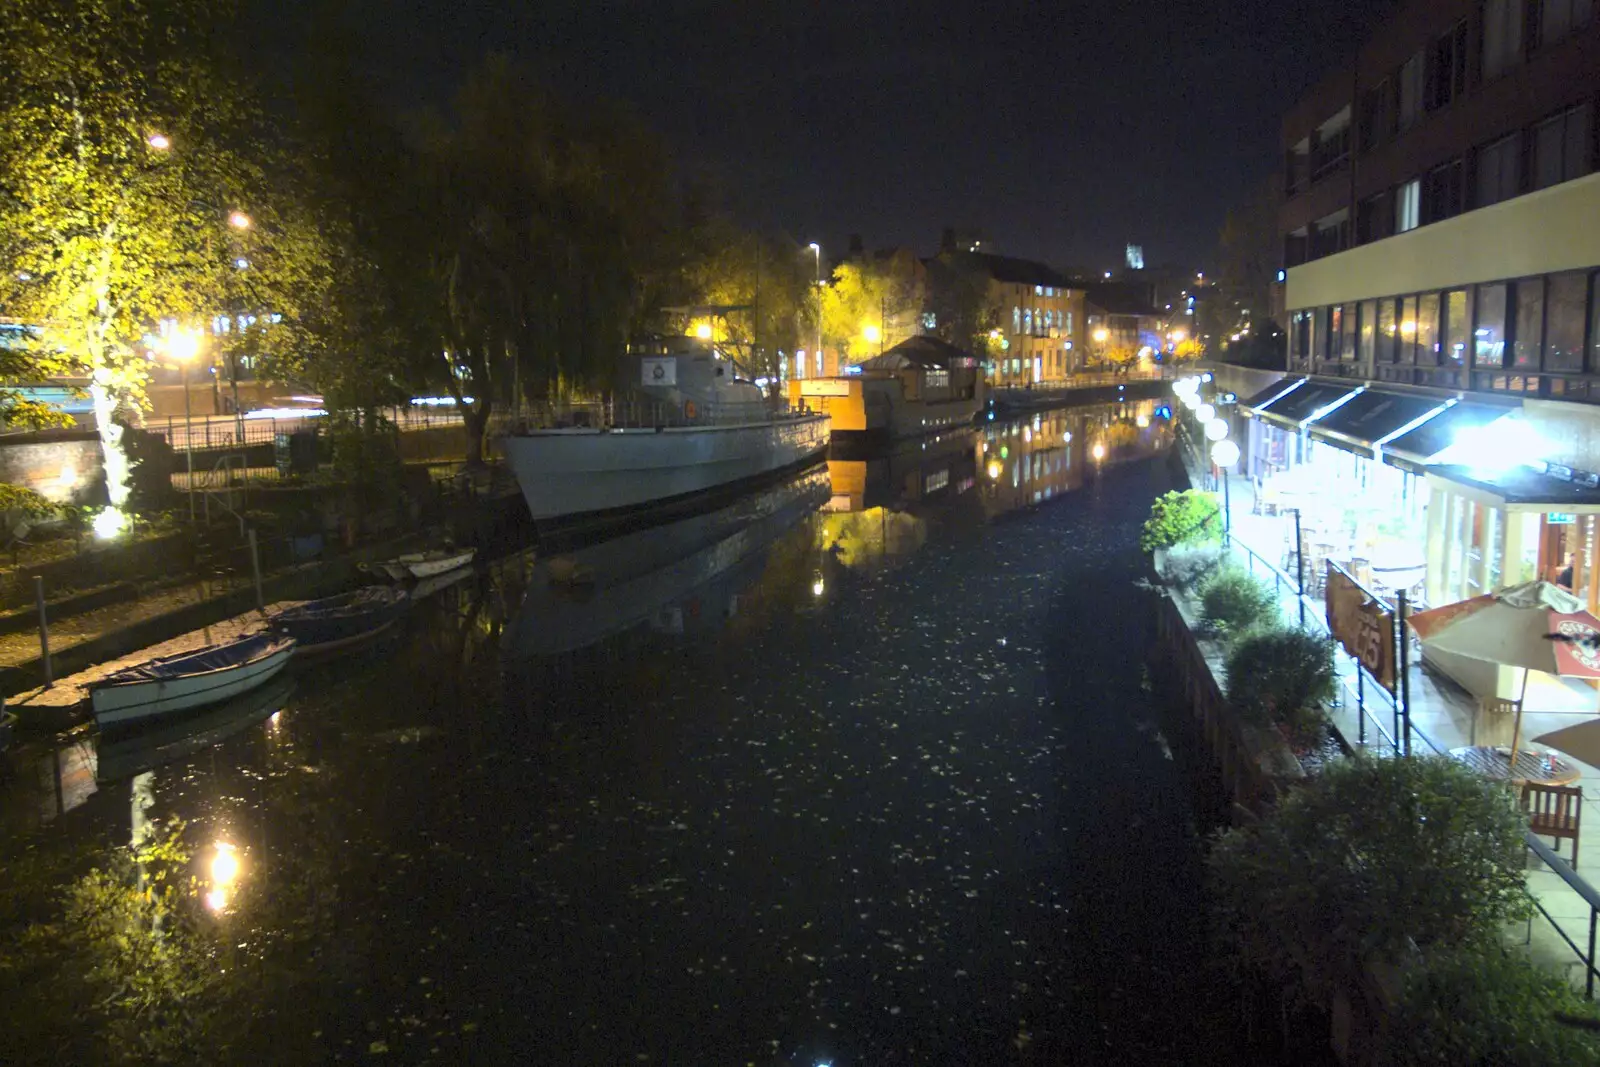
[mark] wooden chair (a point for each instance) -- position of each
(1554, 811)
(1494, 722)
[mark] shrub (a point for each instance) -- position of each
(1282, 676)
(1480, 1005)
(1368, 859)
(1233, 601)
(1189, 517)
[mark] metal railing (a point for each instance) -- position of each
(1586, 892)
(638, 412)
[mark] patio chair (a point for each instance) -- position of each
(1554, 811)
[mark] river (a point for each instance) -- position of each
(859, 770)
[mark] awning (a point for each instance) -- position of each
(1371, 415)
(1521, 489)
(1413, 450)
(1294, 409)
(1265, 397)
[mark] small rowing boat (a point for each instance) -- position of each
(187, 680)
(336, 622)
(425, 564)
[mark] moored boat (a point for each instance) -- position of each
(187, 680)
(336, 622)
(695, 426)
(920, 386)
(421, 565)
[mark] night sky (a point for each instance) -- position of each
(1060, 132)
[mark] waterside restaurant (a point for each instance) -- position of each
(1440, 496)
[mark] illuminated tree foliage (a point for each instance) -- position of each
(136, 185)
(867, 309)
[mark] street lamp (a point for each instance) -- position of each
(816, 250)
(238, 220)
(159, 141)
(871, 333)
(1225, 454)
(184, 346)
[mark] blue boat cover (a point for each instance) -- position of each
(363, 601)
(202, 660)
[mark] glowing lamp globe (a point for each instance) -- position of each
(1216, 429)
(1224, 453)
(1205, 413)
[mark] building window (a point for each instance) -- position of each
(1557, 18)
(1594, 322)
(1499, 174)
(1299, 336)
(1428, 329)
(1502, 36)
(1457, 325)
(1377, 115)
(1038, 290)
(1563, 329)
(1530, 323)
(1069, 323)
(1386, 331)
(1489, 339)
(1447, 68)
(1373, 217)
(1407, 204)
(1408, 330)
(1319, 334)
(1411, 91)
(1561, 147)
(1443, 198)
(1347, 346)
(1016, 320)
(1331, 145)
(1366, 328)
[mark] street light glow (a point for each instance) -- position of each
(159, 141)
(183, 345)
(1101, 335)
(871, 333)
(239, 220)
(703, 331)
(1224, 453)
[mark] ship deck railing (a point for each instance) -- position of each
(644, 414)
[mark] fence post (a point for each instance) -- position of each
(44, 630)
(1361, 707)
(255, 568)
(1405, 671)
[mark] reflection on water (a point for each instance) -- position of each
(759, 785)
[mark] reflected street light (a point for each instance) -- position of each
(224, 873)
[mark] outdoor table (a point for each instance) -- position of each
(1493, 762)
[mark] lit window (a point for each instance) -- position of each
(1407, 201)
(1038, 290)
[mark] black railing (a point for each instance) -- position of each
(1586, 892)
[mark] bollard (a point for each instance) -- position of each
(255, 567)
(44, 630)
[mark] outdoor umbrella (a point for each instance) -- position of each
(1536, 626)
(1581, 742)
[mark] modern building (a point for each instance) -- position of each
(1441, 255)
(1039, 311)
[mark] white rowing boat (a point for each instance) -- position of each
(187, 680)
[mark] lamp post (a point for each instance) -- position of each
(183, 346)
(816, 250)
(1225, 454)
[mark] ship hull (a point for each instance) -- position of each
(564, 474)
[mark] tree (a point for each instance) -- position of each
(1370, 858)
(137, 186)
(961, 310)
(771, 279)
(869, 308)
(546, 228)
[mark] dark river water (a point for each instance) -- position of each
(861, 769)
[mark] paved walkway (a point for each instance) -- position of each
(1442, 713)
